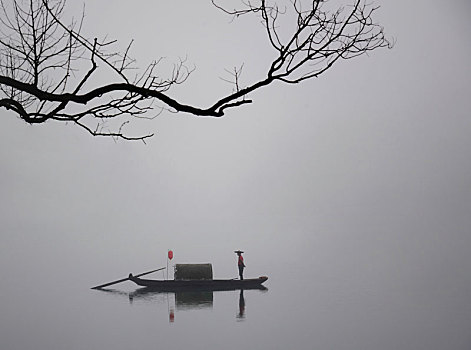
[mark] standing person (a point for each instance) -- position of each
(240, 263)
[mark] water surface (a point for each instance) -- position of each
(309, 304)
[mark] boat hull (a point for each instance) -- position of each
(213, 284)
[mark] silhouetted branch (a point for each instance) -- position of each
(41, 58)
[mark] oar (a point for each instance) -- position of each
(125, 279)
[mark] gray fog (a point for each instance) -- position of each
(351, 192)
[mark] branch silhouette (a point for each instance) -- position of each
(42, 58)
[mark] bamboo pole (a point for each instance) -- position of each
(125, 279)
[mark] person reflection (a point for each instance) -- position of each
(241, 314)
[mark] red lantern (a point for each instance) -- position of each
(170, 254)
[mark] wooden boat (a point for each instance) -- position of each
(208, 284)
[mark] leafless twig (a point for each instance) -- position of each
(42, 58)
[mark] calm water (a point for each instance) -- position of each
(303, 308)
(370, 292)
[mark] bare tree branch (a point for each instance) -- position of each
(41, 58)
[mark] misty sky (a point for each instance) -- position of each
(367, 160)
(357, 184)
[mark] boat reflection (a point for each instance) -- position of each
(182, 300)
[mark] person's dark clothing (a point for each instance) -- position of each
(241, 265)
(241, 272)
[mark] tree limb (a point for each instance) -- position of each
(40, 56)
